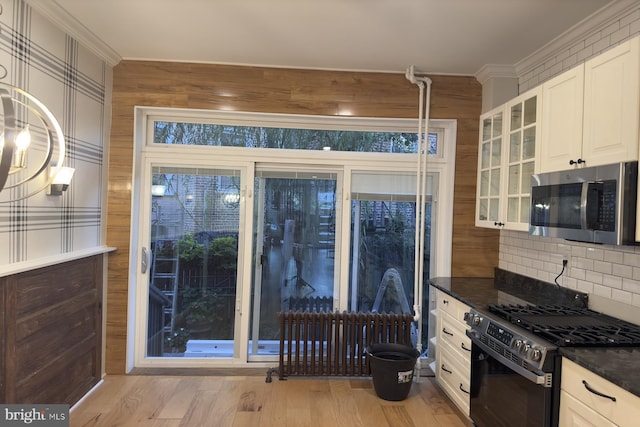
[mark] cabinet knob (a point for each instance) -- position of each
(577, 162)
(498, 224)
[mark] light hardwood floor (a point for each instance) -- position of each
(189, 401)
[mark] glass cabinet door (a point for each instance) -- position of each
(489, 170)
(521, 159)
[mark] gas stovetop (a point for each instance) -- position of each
(570, 326)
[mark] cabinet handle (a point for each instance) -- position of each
(444, 301)
(446, 370)
(596, 392)
(444, 330)
(577, 162)
(464, 348)
(463, 390)
(498, 224)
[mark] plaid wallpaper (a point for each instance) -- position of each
(73, 83)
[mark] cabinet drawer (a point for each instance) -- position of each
(625, 411)
(452, 334)
(451, 306)
(454, 379)
(574, 413)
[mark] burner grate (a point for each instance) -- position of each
(570, 326)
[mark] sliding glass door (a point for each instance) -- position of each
(194, 239)
(295, 243)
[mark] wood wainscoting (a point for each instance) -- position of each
(287, 91)
(51, 328)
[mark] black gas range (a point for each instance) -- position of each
(515, 366)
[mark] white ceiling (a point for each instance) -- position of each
(437, 36)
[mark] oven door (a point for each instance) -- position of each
(501, 397)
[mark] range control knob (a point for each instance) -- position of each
(477, 320)
(524, 348)
(515, 344)
(534, 354)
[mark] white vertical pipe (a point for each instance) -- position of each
(421, 184)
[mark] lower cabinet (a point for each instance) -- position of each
(453, 354)
(587, 399)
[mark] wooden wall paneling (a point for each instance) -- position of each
(52, 332)
(8, 355)
(3, 338)
(290, 91)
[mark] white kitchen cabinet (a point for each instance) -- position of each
(453, 356)
(574, 413)
(591, 113)
(612, 105)
(581, 405)
(490, 169)
(508, 151)
(562, 105)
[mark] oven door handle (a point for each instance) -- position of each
(543, 380)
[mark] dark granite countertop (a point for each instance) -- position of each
(621, 366)
(473, 291)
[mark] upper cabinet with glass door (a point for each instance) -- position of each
(504, 173)
(591, 113)
(489, 169)
(522, 153)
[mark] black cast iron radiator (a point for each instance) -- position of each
(333, 343)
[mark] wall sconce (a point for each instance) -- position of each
(32, 157)
(61, 181)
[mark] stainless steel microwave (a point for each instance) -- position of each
(594, 204)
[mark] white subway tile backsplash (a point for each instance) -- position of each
(612, 282)
(571, 283)
(615, 257)
(596, 41)
(609, 271)
(602, 267)
(578, 251)
(583, 263)
(612, 28)
(631, 18)
(593, 38)
(631, 285)
(620, 35)
(622, 270)
(631, 259)
(578, 273)
(622, 296)
(634, 28)
(584, 286)
(593, 277)
(595, 254)
(602, 291)
(585, 53)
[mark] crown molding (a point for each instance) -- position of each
(492, 71)
(70, 25)
(582, 30)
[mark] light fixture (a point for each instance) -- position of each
(158, 190)
(32, 157)
(61, 181)
(231, 197)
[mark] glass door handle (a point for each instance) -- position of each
(144, 261)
